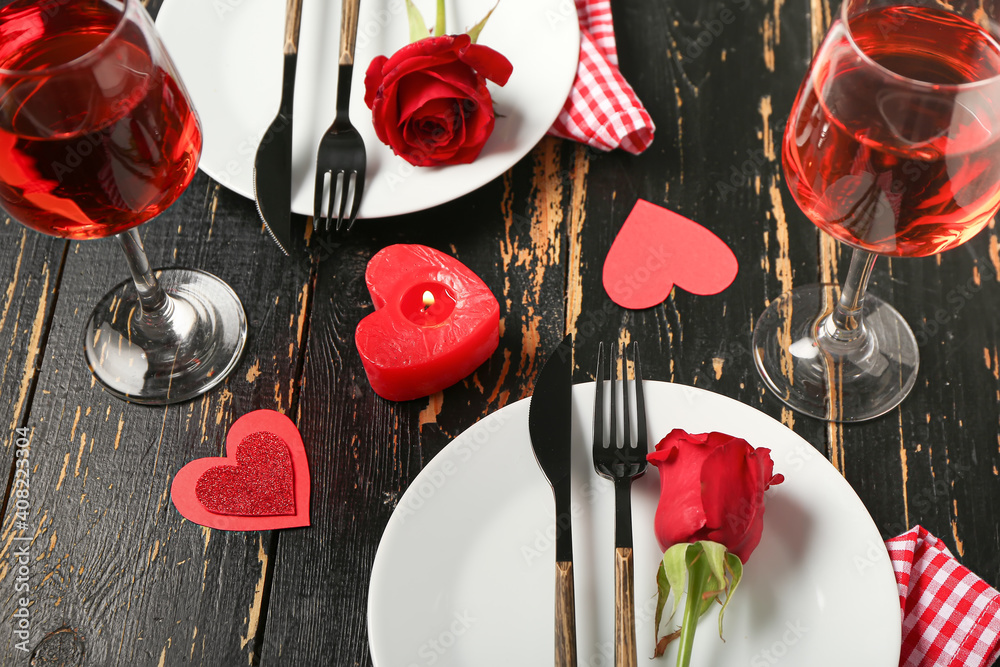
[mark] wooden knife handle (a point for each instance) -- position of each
(293, 19)
(348, 31)
(565, 616)
(625, 651)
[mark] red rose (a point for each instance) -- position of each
(711, 488)
(429, 100)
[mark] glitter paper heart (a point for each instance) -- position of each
(657, 249)
(262, 483)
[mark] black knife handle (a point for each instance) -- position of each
(625, 651)
(564, 521)
(565, 615)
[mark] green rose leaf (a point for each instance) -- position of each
(662, 593)
(418, 29)
(675, 566)
(735, 568)
(439, 20)
(707, 570)
(474, 31)
(716, 554)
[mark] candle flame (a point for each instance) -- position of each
(428, 299)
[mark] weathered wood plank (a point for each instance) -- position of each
(32, 264)
(137, 585)
(720, 71)
(367, 450)
(110, 557)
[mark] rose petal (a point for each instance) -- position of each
(429, 100)
(417, 90)
(373, 79)
(477, 130)
(679, 514)
(729, 491)
(432, 125)
(422, 54)
(734, 480)
(488, 63)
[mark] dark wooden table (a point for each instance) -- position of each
(117, 577)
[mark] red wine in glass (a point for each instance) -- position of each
(900, 173)
(97, 136)
(892, 148)
(118, 159)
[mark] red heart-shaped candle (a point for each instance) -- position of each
(435, 322)
(261, 484)
(657, 249)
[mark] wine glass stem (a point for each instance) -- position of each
(844, 325)
(156, 307)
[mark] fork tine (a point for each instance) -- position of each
(599, 399)
(344, 191)
(332, 204)
(626, 409)
(640, 402)
(612, 373)
(359, 188)
(318, 201)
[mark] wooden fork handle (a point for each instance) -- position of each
(565, 616)
(625, 651)
(348, 31)
(293, 19)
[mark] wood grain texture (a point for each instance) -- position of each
(293, 20)
(32, 264)
(348, 31)
(371, 448)
(565, 616)
(118, 578)
(111, 558)
(625, 647)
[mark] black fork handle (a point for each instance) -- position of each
(623, 513)
(344, 77)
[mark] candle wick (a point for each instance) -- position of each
(428, 299)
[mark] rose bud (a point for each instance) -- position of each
(429, 101)
(711, 488)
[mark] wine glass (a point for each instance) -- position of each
(97, 136)
(891, 148)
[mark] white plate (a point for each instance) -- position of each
(464, 575)
(229, 56)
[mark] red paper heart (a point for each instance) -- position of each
(261, 484)
(397, 353)
(657, 249)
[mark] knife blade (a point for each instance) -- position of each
(550, 416)
(272, 166)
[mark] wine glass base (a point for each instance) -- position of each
(817, 376)
(203, 343)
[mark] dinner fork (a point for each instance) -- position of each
(621, 461)
(341, 158)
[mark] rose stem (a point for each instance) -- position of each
(698, 573)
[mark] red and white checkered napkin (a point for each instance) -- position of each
(602, 110)
(950, 616)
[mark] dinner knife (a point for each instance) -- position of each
(272, 167)
(550, 415)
